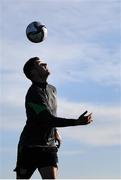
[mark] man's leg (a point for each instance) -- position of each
(49, 172)
(24, 173)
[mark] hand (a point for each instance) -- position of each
(57, 138)
(84, 120)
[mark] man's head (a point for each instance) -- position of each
(36, 70)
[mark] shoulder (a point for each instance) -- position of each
(34, 91)
(53, 88)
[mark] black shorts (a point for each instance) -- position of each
(36, 157)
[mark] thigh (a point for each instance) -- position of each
(49, 172)
(24, 173)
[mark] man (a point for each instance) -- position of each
(37, 148)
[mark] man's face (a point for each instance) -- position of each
(41, 69)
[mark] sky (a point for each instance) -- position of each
(82, 50)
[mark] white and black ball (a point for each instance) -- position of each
(36, 32)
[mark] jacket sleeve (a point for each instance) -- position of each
(47, 119)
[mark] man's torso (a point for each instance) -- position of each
(39, 97)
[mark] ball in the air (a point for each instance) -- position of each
(36, 32)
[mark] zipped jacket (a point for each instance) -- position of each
(41, 107)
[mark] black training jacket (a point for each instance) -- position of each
(41, 121)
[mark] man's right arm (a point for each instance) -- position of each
(47, 119)
(43, 116)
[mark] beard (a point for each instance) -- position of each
(44, 74)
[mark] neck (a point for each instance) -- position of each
(41, 80)
(40, 84)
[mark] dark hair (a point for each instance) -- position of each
(29, 66)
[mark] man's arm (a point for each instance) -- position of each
(47, 119)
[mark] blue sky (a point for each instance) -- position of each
(83, 52)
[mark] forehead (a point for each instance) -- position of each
(38, 61)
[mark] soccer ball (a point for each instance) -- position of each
(36, 32)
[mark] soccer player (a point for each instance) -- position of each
(38, 147)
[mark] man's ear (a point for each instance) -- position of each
(33, 73)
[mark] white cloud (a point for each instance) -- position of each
(7, 150)
(71, 62)
(78, 20)
(105, 129)
(73, 51)
(71, 152)
(74, 48)
(82, 45)
(13, 122)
